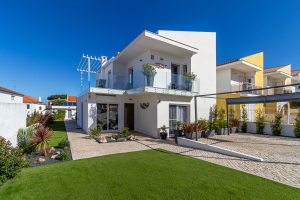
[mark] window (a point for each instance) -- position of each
(40, 107)
(184, 70)
(12, 97)
(177, 113)
(28, 106)
(298, 87)
(107, 116)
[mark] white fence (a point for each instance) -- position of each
(287, 130)
(12, 117)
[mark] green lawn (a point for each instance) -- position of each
(149, 174)
(60, 132)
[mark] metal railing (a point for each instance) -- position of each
(246, 86)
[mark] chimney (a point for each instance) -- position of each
(40, 99)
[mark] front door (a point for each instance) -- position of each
(129, 116)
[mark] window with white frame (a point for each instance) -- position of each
(177, 113)
(12, 97)
(28, 106)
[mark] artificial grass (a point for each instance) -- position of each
(60, 132)
(149, 174)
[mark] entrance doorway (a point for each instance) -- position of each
(69, 114)
(107, 116)
(129, 115)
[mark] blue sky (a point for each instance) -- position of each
(41, 42)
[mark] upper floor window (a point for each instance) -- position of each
(28, 106)
(40, 107)
(12, 97)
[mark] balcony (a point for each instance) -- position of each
(283, 90)
(163, 82)
(246, 86)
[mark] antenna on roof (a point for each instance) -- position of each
(15, 87)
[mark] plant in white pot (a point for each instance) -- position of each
(149, 71)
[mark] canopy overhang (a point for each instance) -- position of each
(241, 66)
(277, 75)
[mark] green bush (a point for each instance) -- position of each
(260, 122)
(23, 139)
(276, 125)
(56, 96)
(295, 104)
(11, 161)
(95, 131)
(33, 118)
(64, 154)
(121, 139)
(244, 119)
(57, 102)
(221, 114)
(125, 131)
(297, 125)
(215, 112)
(64, 143)
(59, 114)
(108, 139)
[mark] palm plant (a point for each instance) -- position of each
(41, 138)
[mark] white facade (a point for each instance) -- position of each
(70, 110)
(124, 92)
(33, 106)
(12, 115)
(294, 80)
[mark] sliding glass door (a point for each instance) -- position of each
(177, 113)
(107, 116)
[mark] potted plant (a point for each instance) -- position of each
(178, 131)
(189, 129)
(163, 133)
(149, 71)
(234, 124)
(188, 79)
(259, 122)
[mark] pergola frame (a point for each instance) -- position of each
(249, 100)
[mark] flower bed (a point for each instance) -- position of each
(115, 137)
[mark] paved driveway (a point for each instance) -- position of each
(281, 154)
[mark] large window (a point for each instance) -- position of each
(107, 116)
(177, 113)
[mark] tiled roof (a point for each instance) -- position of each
(224, 63)
(273, 69)
(71, 98)
(10, 91)
(295, 72)
(28, 98)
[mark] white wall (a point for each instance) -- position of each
(6, 98)
(12, 117)
(34, 107)
(203, 64)
(224, 80)
(287, 130)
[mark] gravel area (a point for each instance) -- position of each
(281, 154)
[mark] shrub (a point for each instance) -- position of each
(215, 112)
(46, 119)
(11, 161)
(260, 122)
(108, 139)
(94, 132)
(41, 138)
(295, 104)
(189, 127)
(57, 102)
(163, 129)
(202, 124)
(148, 69)
(125, 131)
(23, 139)
(276, 125)
(121, 139)
(64, 143)
(189, 76)
(234, 123)
(213, 124)
(244, 119)
(222, 114)
(64, 154)
(297, 125)
(59, 114)
(231, 112)
(178, 125)
(32, 119)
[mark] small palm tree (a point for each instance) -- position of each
(41, 138)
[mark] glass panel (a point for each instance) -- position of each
(65, 103)
(172, 118)
(102, 115)
(182, 114)
(113, 117)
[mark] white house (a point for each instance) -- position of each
(12, 114)
(122, 96)
(295, 79)
(33, 104)
(69, 106)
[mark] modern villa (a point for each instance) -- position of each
(125, 94)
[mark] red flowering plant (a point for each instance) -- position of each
(12, 160)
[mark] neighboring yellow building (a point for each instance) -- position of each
(237, 75)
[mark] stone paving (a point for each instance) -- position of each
(281, 154)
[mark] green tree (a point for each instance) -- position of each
(244, 119)
(58, 102)
(260, 122)
(276, 124)
(56, 96)
(297, 125)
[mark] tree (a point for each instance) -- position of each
(297, 125)
(58, 102)
(56, 96)
(276, 124)
(244, 119)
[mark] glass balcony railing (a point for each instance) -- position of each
(246, 86)
(162, 79)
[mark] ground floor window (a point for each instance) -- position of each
(177, 113)
(107, 116)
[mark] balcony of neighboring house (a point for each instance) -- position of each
(162, 82)
(277, 78)
(238, 75)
